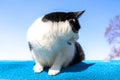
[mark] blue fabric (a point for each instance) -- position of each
(86, 70)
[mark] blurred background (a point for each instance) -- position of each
(99, 33)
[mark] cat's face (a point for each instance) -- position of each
(72, 17)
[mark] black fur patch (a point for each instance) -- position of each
(30, 46)
(62, 16)
(58, 16)
(79, 54)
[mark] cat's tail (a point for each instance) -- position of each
(79, 54)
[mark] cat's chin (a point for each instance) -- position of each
(69, 43)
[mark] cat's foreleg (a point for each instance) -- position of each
(57, 65)
(38, 67)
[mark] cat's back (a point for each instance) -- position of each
(50, 30)
(56, 21)
(38, 28)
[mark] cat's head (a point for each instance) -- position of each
(72, 17)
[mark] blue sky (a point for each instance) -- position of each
(17, 15)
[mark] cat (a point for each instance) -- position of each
(52, 40)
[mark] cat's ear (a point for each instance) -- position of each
(78, 14)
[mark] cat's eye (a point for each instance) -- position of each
(74, 25)
(72, 21)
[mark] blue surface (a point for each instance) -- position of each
(86, 70)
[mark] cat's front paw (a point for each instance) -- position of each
(37, 68)
(52, 72)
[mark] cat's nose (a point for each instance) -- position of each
(76, 37)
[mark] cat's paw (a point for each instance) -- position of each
(53, 72)
(37, 68)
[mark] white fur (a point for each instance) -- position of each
(50, 47)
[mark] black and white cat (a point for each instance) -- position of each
(52, 41)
